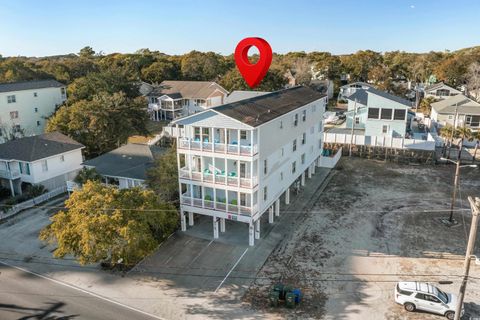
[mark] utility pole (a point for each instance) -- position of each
(454, 194)
(453, 130)
(353, 128)
(475, 206)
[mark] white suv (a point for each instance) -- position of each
(423, 296)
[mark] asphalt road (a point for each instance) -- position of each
(25, 296)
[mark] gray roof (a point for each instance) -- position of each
(261, 109)
(129, 161)
(238, 95)
(465, 105)
(38, 147)
(186, 89)
(360, 94)
(30, 85)
(438, 85)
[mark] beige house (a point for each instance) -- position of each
(467, 110)
(440, 91)
(173, 99)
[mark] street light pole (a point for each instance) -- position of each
(475, 206)
(353, 128)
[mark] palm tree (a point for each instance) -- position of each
(462, 134)
(475, 136)
(426, 105)
(445, 133)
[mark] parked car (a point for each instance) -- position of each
(426, 297)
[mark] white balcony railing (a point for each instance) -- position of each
(222, 179)
(219, 206)
(13, 174)
(244, 150)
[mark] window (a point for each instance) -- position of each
(265, 194)
(303, 158)
(384, 129)
(11, 99)
(38, 123)
(36, 109)
(386, 114)
(14, 115)
(62, 158)
(319, 143)
(450, 117)
(243, 135)
(265, 168)
(295, 120)
(17, 129)
(294, 166)
(421, 296)
(399, 114)
(44, 166)
(35, 94)
(304, 138)
(294, 145)
(205, 134)
(320, 127)
(432, 298)
(404, 292)
(24, 168)
(373, 113)
(283, 152)
(304, 115)
(473, 121)
(357, 120)
(62, 90)
(281, 176)
(281, 124)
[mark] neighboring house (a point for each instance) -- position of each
(378, 113)
(236, 160)
(323, 86)
(349, 89)
(468, 112)
(49, 159)
(440, 91)
(25, 105)
(126, 166)
(238, 95)
(172, 99)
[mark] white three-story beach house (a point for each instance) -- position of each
(235, 161)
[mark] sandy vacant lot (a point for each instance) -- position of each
(376, 223)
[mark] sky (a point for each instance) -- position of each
(50, 27)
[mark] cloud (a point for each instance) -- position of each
(412, 6)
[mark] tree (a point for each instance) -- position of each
(302, 72)
(202, 66)
(359, 64)
(426, 105)
(473, 80)
(476, 137)
(162, 178)
(233, 80)
(462, 134)
(103, 123)
(102, 223)
(326, 65)
(86, 52)
(108, 81)
(380, 75)
(87, 174)
(446, 133)
(160, 71)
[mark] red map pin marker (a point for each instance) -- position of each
(253, 73)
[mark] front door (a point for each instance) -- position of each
(243, 170)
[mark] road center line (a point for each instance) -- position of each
(234, 266)
(81, 290)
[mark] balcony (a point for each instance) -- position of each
(244, 150)
(218, 206)
(220, 178)
(158, 106)
(5, 174)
